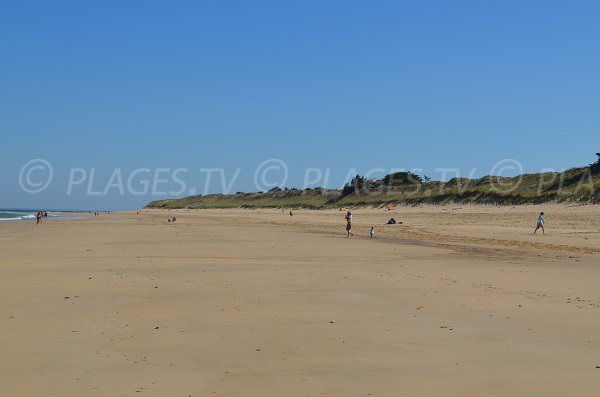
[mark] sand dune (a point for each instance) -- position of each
(457, 301)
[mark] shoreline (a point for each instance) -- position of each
(29, 215)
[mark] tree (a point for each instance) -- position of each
(356, 184)
(402, 178)
(596, 166)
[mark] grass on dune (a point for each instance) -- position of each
(576, 184)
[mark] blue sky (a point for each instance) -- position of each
(339, 85)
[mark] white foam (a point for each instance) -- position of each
(19, 218)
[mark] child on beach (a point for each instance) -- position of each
(372, 233)
(540, 223)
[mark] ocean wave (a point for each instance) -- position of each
(24, 215)
(18, 218)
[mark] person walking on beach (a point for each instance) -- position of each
(372, 233)
(39, 217)
(349, 224)
(540, 224)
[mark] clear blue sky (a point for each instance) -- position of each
(339, 85)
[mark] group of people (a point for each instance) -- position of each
(41, 215)
(349, 227)
(348, 217)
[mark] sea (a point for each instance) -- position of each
(11, 215)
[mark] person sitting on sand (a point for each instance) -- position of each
(540, 224)
(349, 224)
(372, 233)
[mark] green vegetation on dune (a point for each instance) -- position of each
(577, 184)
(274, 199)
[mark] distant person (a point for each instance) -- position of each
(540, 223)
(45, 214)
(39, 217)
(349, 224)
(372, 233)
(291, 213)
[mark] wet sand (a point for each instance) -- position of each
(456, 301)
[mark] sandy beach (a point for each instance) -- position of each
(456, 301)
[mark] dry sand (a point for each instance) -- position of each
(457, 301)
